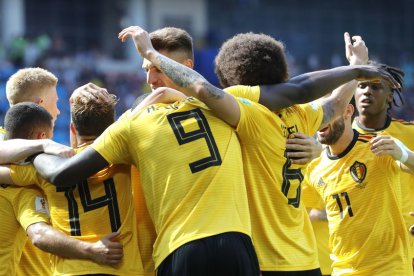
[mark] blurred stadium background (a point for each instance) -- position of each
(77, 40)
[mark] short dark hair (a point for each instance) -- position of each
(91, 116)
(172, 39)
(251, 59)
(23, 119)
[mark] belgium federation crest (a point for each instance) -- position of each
(358, 171)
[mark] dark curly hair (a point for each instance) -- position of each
(251, 59)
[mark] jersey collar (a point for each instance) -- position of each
(348, 148)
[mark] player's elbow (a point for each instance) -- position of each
(61, 178)
(38, 236)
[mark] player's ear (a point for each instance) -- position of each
(349, 111)
(39, 100)
(189, 63)
(72, 129)
(390, 97)
(41, 135)
(73, 136)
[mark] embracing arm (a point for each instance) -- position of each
(15, 150)
(67, 171)
(311, 86)
(190, 82)
(49, 239)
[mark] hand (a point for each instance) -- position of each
(107, 250)
(412, 226)
(356, 52)
(385, 145)
(371, 73)
(54, 148)
(302, 149)
(141, 39)
(317, 215)
(91, 91)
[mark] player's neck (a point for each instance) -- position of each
(371, 122)
(342, 143)
(85, 140)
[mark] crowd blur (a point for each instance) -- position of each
(127, 82)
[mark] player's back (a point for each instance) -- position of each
(191, 168)
(20, 207)
(281, 230)
(89, 210)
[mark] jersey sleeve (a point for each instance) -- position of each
(256, 121)
(30, 207)
(24, 175)
(2, 133)
(251, 93)
(313, 115)
(112, 144)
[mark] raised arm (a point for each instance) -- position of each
(67, 171)
(311, 86)
(105, 251)
(314, 85)
(190, 82)
(334, 105)
(301, 89)
(15, 150)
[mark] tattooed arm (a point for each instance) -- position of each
(334, 105)
(191, 83)
(224, 105)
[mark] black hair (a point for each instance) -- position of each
(251, 59)
(398, 75)
(26, 118)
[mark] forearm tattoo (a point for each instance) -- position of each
(212, 91)
(185, 77)
(328, 113)
(178, 73)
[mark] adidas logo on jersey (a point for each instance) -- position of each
(321, 183)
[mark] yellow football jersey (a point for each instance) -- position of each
(281, 230)
(20, 207)
(366, 225)
(2, 133)
(88, 211)
(145, 227)
(313, 200)
(403, 131)
(191, 171)
(33, 261)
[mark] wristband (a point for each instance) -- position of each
(404, 153)
(404, 156)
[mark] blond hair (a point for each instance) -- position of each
(26, 84)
